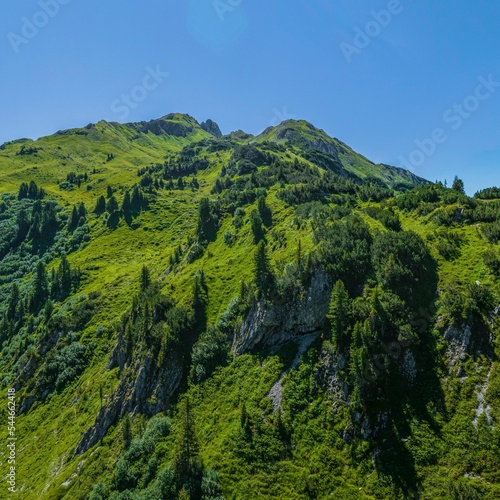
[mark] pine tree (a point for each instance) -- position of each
(82, 211)
(264, 211)
(458, 185)
(23, 191)
(204, 220)
(186, 462)
(200, 299)
(339, 314)
(112, 205)
(363, 374)
(34, 231)
(137, 198)
(264, 278)
(145, 278)
(127, 431)
(13, 303)
(109, 192)
(40, 287)
(127, 203)
(73, 220)
(100, 205)
(64, 274)
(48, 309)
(256, 224)
(33, 191)
(23, 225)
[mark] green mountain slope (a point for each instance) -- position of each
(317, 143)
(190, 315)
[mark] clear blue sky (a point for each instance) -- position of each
(249, 63)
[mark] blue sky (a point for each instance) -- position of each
(383, 76)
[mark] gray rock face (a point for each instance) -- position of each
(459, 340)
(328, 376)
(211, 127)
(269, 325)
(144, 388)
(276, 392)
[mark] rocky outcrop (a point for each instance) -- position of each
(276, 392)
(459, 340)
(211, 127)
(271, 324)
(144, 388)
(328, 375)
(482, 405)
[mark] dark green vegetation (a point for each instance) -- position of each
(185, 315)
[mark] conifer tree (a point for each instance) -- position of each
(40, 287)
(14, 300)
(145, 278)
(23, 191)
(127, 431)
(256, 224)
(200, 299)
(458, 185)
(338, 314)
(264, 278)
(264, 211)
(186, 462)
(127, 203)
(100, 205)
(204, 220)
(65, 276)
(112, 205)
(82, 211)
(73, 220)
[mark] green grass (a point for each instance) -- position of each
(321, 463)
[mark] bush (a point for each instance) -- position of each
(229, 238)
(387, 217)
(399, 261)
(68, 364)
(492, 262)
(210, 351)
(491, 232)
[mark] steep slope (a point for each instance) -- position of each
(189, 314)
(343, 160)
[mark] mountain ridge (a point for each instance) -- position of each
(310, 323)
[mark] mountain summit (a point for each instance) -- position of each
(185, 314)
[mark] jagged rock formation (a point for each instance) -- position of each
(211, 127)
(269, 325)
(144, 388)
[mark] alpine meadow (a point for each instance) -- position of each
(186, 314)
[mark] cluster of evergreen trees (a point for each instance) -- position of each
(38, 296)
(31, 191)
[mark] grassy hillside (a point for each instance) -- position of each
(191, 316)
